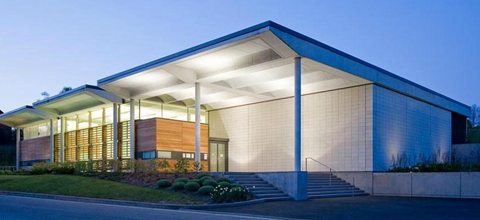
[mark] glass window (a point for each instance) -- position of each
(83, 120)
(125, 112)
(109, 115)
(38, 130)
(188, 155)
(150, 110)
(148, 155)
(164, 154)
(71, 123)
(203, 115)
(175, 112)
(97, 118)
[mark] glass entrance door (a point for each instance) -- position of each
(218, 156)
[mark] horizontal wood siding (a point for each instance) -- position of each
(179, 136)
(35, 149)
(145, 135)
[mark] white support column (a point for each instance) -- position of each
(62, 139)
(197, 122)
(298, 114)
(17, 149)
(52, 143)
(115, 131)
(132, 129)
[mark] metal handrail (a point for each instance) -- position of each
(331, 172)
(309, 158)
(331, 169)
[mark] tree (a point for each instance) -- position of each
(45, 95)
(65, 89)
(475, 116)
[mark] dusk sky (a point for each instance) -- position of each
(45, 45)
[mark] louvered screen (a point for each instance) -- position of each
(108, 141)
(124, 140)
(82, 143)
(56, 148)
(96, 137)
(70, 146)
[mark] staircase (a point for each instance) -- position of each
(327, 185)
(258, 187)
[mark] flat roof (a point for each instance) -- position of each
(23, 116)
(310, 48)
(83, 97)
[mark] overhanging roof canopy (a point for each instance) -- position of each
(23, 116)
(256, 64)
(80, 98)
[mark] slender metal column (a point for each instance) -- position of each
(298, 114)
(197, 122)
(52, 143)
(115, 131)
(62, 140)
(17, 150)
(132, 129)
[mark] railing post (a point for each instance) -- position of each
(330, 176)
(353, 187)
(306, 164)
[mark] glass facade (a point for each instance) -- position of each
(89, 133)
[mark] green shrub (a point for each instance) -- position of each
(181, 166)
(164, 165)
(238, 194)
(178, 186)
(62, 169)
(205, 178)
(224, 179)
(219, 194)
(184, 180)
(224, 184)
(192, 186)
(163, 183)
(209, 182)
(236, 185)
(205, 190)
(201, 175)
(197, 181)
(40, 168)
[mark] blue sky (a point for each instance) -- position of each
(45, 45)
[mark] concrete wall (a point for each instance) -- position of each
(466, 153)
(451, 185)
(337, 130)
(407, 129)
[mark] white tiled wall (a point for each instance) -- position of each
(337, 130)
(407, 128)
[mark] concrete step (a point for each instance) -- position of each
(270, 195)
(336, 195)
(279, 198)
(330, 187)
(334, 192)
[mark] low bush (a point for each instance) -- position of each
(205, 190)
(40, 168)
(192, 186)
(197, 181)
(181, 166)
(163, 183)
(235, 185)
(62, 169)
(238, 194)
(219, 194)
(184, 180)
(225, 184)
(224, 179)
(209, 182)
(178, 186)
(201, 175)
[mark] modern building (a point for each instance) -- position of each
(263, 99)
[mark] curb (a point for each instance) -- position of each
(128, 203)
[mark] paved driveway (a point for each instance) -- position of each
(367, 207)
(13, 207)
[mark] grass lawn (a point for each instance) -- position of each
(89, 187)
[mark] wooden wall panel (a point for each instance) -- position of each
(35, 149)
(179, 136)
(145, 135)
